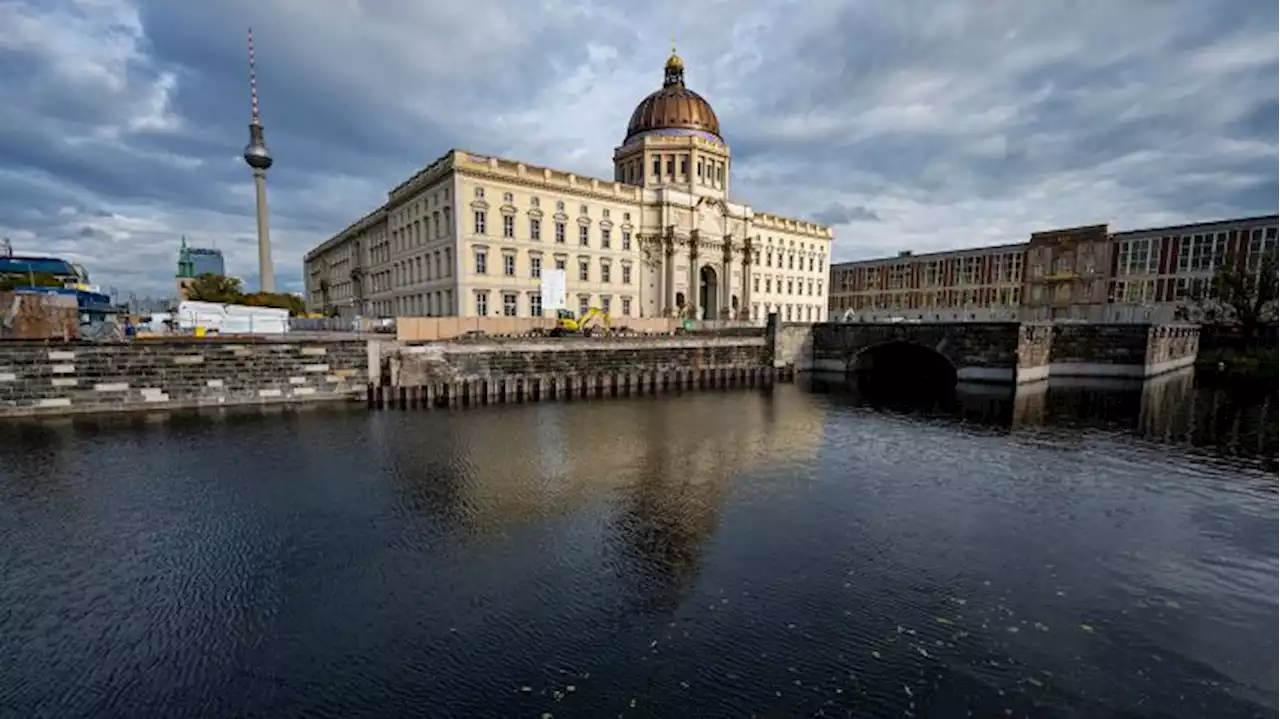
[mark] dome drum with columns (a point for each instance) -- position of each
(663, 239)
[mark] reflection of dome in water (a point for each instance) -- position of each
(674, 109)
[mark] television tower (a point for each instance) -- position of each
(258, 158)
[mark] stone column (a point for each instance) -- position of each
(694, 285)
(726, 295)
(747, 253)
(668, 277)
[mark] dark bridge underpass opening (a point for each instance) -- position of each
(903, 369)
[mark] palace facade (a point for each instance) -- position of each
(471, 235)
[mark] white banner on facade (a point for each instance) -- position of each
(553, 290)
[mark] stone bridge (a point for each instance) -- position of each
(1002, 352)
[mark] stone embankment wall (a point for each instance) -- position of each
(1122, 350)
(64, 378)
(495, 371)
(1002, 352)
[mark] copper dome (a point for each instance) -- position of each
(675, 109)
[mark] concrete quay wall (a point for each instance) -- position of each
(490, 371)
(40, 378)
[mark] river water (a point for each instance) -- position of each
(1080, 552)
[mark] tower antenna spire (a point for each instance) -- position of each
(259, 159)
(253, 80)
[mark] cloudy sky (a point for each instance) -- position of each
(904, 123)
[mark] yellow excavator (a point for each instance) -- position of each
(567, 324)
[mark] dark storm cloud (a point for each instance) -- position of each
(123, 120)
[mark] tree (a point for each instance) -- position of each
(215, 288)
(279, 300)
(1239, 297)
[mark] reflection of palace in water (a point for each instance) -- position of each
(657, 471)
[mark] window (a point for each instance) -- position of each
(482, 304)
(559, 205)
(584, 270)
(811, 264)
(657, 166)
(448, 220)
(755, 284)
(560, 263)
(535, 230)
(584, 235)
(768, 260)
(509, 304)
(791, 262)
(671, 166)
(605, 213)
(768, 285)
(626, 274)
(508, 197)
(482, 262)
(584, 304)
(604, 238)
(626, 239)
(684, 165)
(508, 226)
(479, 193)
(605, 271)
(560, 233)
(509, 265)
(535, 267)
(626, 306)
(606, 304)
(535, 202)
(535, 304)
(479, 222)
(582, 210)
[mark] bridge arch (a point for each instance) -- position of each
(900, 364)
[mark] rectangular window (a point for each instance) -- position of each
(626, 239)
(560, 233)
(605, 271)
(508, 226)
(684, 166)
(584, 235)
(626, 274)
(560, 263)
(482, 304)
(535, 230)
(755, 284)
(535, 267)
(535, 305)
(584, 270)
(606, 304)
(482, 262)
(626, 306)
(584, 304)
(479, 222)
(671, 166)
(657, 166)
(509, 304)
(509, 265)
(604, 238)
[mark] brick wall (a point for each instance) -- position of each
(61, 378)
(415, 366)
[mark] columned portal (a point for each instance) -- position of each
(708, 293)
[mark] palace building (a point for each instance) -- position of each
(471, 235)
